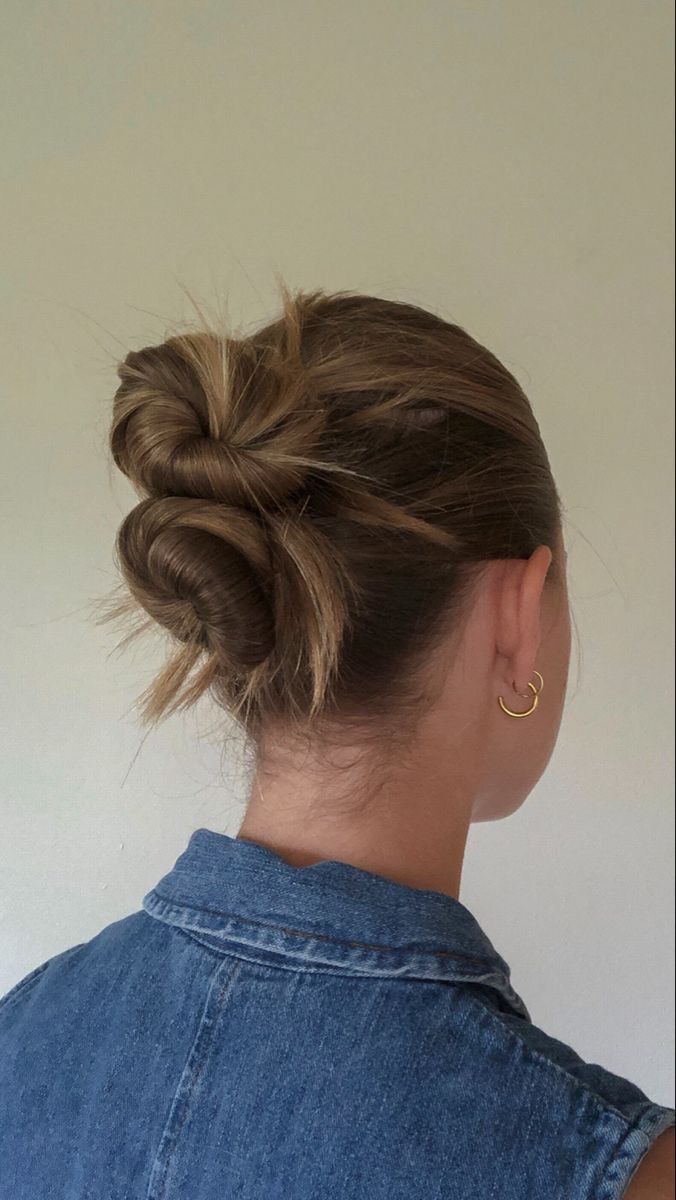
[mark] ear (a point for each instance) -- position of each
(526, 602)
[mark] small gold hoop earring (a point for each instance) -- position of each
(536, 696)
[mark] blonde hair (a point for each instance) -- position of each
(317, 498)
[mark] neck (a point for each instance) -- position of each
(410, 826)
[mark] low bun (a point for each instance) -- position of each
(204, 573)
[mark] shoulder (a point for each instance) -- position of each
(604, 1118)
(133, 970)
(91, 1044)
(12, 1000)
(65, 980)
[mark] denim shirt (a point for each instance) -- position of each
(270, 1032)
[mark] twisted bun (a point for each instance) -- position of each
(313, 498)
(204, 572)
(219, 437)
(215, 419)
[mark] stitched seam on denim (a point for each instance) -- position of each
(219, 952)
(581, 1084)
(328, 969)
(190, 1076)
(608, 1184)
(323, 937)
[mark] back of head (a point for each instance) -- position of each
(316, 499)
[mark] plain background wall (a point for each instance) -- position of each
(507, 164)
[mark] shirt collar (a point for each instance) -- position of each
(229, 890)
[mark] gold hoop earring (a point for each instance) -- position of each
(536, 695)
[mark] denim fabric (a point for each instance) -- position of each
(269, 1032)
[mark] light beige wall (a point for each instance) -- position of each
(507, 164)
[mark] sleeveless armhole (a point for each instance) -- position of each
(617, 1123)
(631, 1150)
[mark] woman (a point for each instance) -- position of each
(349, 525)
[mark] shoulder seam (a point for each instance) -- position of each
(515, 1035)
